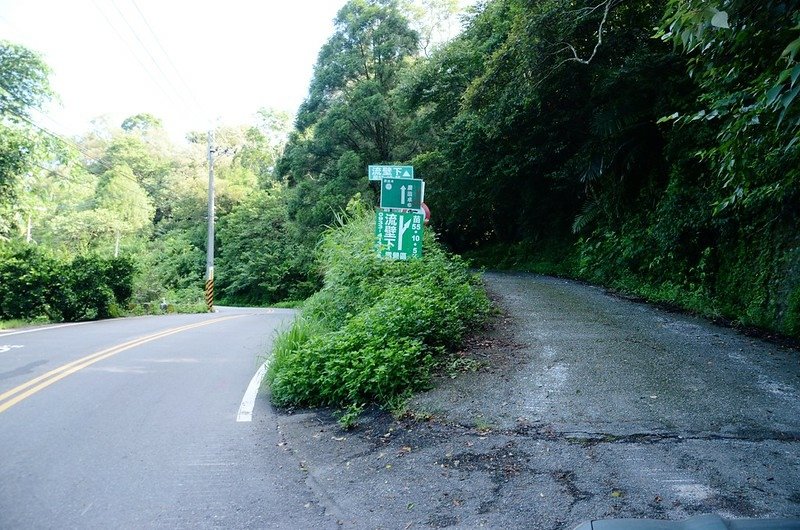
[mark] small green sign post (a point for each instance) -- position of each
(387, 172)
(401, 194)
(398, 235)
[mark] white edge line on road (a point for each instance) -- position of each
(249, 400)
(43, 328)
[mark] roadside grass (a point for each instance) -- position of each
(549, 256)
(376, 329)
(21, 323)
(155, 309)
(288, 304)
(233, 302)
(482, 425)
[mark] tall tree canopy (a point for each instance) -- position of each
(350, 117)
(24, 85)
(24, 80)
(371, 40)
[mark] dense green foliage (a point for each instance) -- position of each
(648, 146)
(350, 117)
(130, 191)
(36, 284)
(376, 328)
(262, 259)
(623, 160)
(570, 138)
(24, 86)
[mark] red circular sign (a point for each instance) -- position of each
(427, 212)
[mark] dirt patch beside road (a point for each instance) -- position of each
(574, 405)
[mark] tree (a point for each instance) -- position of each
(261, 260)
(124, 203)
(143, 123)
(24, 82)
(433, 20)
(264, 144)
(349, 118)
(371, 41)
(15, 159)
(23, 85)
(143, 147)
(513, 133)
(745, 59)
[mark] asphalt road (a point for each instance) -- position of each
(575, 405)
(142, 431)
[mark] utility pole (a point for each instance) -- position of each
(210, 244)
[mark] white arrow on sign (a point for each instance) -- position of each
(403, 227)
(402, 194)
(407, 174)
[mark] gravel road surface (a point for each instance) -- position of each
(575, 405)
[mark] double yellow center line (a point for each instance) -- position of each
(27, 389)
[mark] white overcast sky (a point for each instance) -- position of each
(231, 57)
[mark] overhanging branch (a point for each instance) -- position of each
(606, 8)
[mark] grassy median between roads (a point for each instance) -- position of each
(377, 327)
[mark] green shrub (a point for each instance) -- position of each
(792, 325)
(28, 282)
(373, 331)
(262, 259)
(35, 284)
(90, 286)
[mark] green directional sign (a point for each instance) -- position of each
(402, 194)
(398, 235)
(387, 172)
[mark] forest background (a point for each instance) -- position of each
(646, 146)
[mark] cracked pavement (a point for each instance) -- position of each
(575, 405)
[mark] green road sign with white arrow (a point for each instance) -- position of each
(398, 235)
(402, 194)
(389, 172)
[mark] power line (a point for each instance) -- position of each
(53, 134)
(51, 170)
(63, 140)
(169, 59)
(135, 56)
(180, 94)
(59, 137)
(75, 146)
(147, 51)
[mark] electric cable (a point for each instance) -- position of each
(130, 49)
(67, 143)
(147, 51)
(57, 136)
(169, 59)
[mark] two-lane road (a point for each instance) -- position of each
(133, 423)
